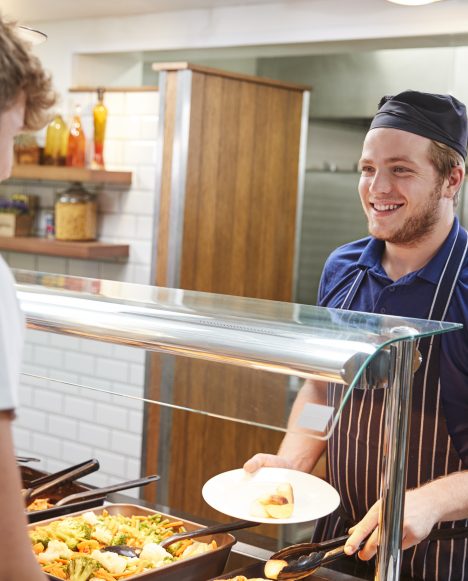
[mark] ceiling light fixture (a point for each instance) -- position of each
(413, 2)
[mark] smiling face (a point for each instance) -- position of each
(402, 194)
(11, 123)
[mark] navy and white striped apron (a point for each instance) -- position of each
(355, 449)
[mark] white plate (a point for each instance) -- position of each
(233, 493)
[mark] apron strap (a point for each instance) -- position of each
(441, 301)
(346, 304)
(450, 274)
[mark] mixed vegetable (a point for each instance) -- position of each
(92, 547)
(39, 504)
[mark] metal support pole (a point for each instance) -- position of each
(395, 446)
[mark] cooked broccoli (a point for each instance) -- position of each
(72, 532)
(120, 539)
(39, 535)
(153, 537)
(82, 568)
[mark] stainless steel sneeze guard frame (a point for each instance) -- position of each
(298, 340)
(281, 337)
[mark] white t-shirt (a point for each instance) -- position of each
(12, 326)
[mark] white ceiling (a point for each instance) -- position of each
(300, 25)
(33, 11)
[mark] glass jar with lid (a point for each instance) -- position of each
(75, 214)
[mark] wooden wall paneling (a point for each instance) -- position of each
(226, 273)
(262, 198)
(192, 185)
(202, 446)
(246, 160)
(230, 246)
(238, 239)
(207, 193)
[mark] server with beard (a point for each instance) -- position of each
(413, 264)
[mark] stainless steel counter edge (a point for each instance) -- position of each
(175, 330)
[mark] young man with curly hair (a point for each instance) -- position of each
(26, 95)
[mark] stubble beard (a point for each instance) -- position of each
(416, 228)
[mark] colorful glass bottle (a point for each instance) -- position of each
(100, 120)
(76, 150)
(55, 151)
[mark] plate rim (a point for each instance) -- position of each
(260, 520)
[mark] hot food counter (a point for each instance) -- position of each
(347, 348)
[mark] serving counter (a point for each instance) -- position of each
(348, 348)
(247, 559)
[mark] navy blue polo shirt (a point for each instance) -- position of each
(410, 296)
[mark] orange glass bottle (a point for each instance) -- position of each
(100, 120)
(76, 149)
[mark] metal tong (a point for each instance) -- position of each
(211, 530)
(299, 561)
(102, 492)
(40, 485)
(127, 551)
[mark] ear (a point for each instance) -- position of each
(454, 181)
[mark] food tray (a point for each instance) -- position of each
(29, 474)
(198, 568)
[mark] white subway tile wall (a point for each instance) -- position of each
(59, 422)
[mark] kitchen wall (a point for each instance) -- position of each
(59, 422)
(274, 29)
(350, 84)
(334, 145)
(331, 212)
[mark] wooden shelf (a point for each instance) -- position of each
(82, 250)
(142, 89)
(71, 174)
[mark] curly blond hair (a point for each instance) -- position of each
(22, 71)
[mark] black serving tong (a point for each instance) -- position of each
(40, 485)
(34, 516)
(25, 459)
(301, 560)
(127, 551)
(102, 492)
(212, 530)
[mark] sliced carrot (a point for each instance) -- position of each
(103, 574)
(88, 546)
(55, 570)
(173, 525)
(183, 546)
(38, 548)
